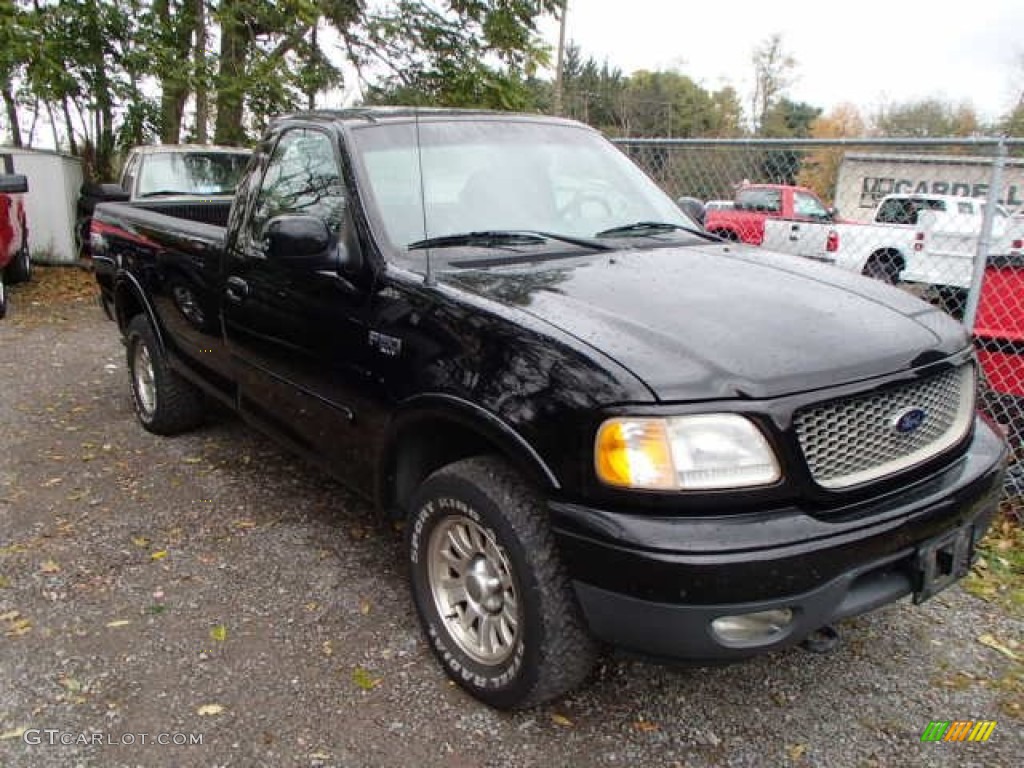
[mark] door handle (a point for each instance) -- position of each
(236, 290)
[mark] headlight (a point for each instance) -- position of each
(723, 450)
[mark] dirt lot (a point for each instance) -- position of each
(211, 585)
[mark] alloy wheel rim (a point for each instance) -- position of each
(145, 379)
(473, 589)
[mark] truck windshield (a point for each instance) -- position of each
(501, 175)
(191, 173)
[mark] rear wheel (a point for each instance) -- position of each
(489, 588)
(165, 403)
(885, 266)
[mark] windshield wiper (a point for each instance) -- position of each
(641, 228)
(498, 238)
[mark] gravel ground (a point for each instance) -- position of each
(213, 585)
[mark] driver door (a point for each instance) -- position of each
(296, 330)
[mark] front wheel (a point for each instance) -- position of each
(165, 403)
(20, 268)
(489, 588)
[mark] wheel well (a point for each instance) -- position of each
(127, 305)
(887, 254)
(427, 445)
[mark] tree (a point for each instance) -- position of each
(462, 53)
(112, 73)
(820, 170)
(927, 118)
(13, 54)
(787, 119)
(773, 74)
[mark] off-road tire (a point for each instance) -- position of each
(551, 652)
(174, 405)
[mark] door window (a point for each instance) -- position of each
(302, 178)
(809, 207)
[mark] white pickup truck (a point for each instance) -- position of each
(911, 238)
(944, 252)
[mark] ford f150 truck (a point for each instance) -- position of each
(599, 424)
(15, 262)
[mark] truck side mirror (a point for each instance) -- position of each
(299, 240)
(13, 183)
(833, 212)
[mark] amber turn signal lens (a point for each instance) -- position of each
(635, 453)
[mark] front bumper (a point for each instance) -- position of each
(653, 586)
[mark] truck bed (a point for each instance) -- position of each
(177, 228)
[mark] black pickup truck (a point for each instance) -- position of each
(600, 425)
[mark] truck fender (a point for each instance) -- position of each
(129, 296)
(470, 417)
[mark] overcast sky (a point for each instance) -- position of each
(869, 52)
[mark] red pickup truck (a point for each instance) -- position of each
(756, 203)
(15, 265)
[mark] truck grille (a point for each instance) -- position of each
(858, 439)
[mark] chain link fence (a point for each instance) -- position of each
(942, 219)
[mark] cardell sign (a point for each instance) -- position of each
(874, 188)
(865, 178)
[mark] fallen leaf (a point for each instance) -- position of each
(364, 607)
(19, 628)
(312, 606)
(991, 642)
(140, 541)
(192, 459)
(219, 633)
(158, 555)
(645, 726)
(16, 733)
(210, 709)
(49, 566)
(561, 720)
(328, 650)
(70, 684)
(244, 524)
(796, 752)
(4, 582)
(9, 616)
(364, 679)
(319, 756)
(119, 623)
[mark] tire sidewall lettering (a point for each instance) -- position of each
(426, 517)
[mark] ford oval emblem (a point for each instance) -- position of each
(909, 420)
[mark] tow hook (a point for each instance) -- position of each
(822, 640)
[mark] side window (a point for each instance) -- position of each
(889, 213)
(765, 200)
(808, 206)
(302, 178)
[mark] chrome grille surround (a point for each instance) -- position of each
(855, 440)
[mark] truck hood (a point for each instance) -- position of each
(710, 321)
